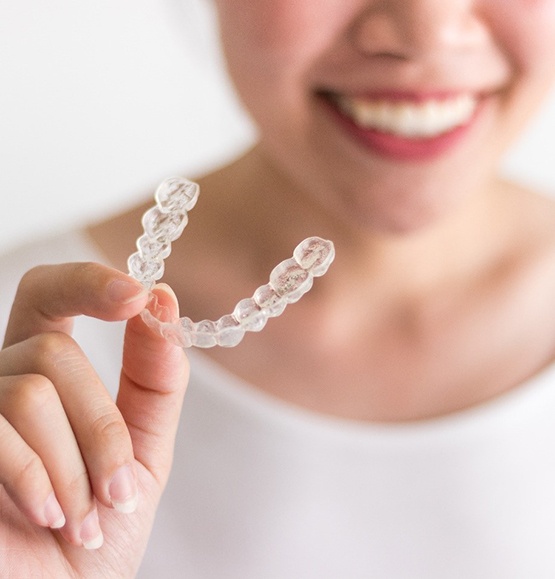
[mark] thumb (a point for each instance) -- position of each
(154, 377)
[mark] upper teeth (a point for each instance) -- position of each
(410, 119)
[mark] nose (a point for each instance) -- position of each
(412, 29)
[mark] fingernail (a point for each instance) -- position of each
(123, 490)
(53, 512)
(91, 535)
(125, 292)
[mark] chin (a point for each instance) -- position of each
(401, 218)
(399, 225)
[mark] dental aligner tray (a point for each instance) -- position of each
(289, 280)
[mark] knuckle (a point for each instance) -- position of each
(52, 347)
(107, 427)
(28, 472)
(32, 392)
(30, 279)
(78, 482)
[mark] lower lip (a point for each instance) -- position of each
(402, 148)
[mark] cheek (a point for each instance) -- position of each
(270, 47)
(275, 34)
(259, 41)
(525, 29)
(263, 28)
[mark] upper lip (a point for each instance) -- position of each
(392, 95)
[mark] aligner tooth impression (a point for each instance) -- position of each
(289, 280)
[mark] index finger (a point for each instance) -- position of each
(49, 296)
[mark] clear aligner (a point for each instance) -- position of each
(289, 280)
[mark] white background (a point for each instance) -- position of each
(101, 100)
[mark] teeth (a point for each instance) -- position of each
(409, 119)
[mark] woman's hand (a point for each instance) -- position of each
(81, 476)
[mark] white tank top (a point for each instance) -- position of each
(261, 489)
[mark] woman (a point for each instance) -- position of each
(394, 423)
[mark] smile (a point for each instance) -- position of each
(407, 119)
(411, 128)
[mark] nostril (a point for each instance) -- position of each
(408, 30)
(376, 33)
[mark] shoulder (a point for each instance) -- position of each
(528, 270)
(530, 228)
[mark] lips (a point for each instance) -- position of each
(409, 127)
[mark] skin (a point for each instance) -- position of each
(41, 366)
(374, 46)
(443, 275)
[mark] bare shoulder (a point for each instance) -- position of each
(531, 232)
(530, 265)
